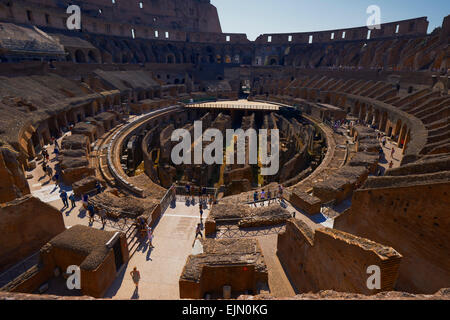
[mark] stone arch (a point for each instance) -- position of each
(170, 58)
(402, 136)
(80, 57)
(356, 109)
(69, 57)
(93, 57)
(383, 123)
(272, 61)
(397, 128)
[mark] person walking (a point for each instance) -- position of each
(91, 212)
(63, 197)
(392, 152)
(50, 172)
(102, 214)
(255, 197)
(85, 198)
(150, 236)
(263, 197)
(280, 192)
(44, 155)
(269, 196)
(210, 200)
(72, 200)
(136, 276)
(98, 186)
(198, 231)
(200, 206)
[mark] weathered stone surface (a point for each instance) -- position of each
(328, 259)
(238, 263)
(26, 224)
(13, 183)
(306, 202)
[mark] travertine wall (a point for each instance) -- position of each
(12, 178)
(26, 224)
(327, 259)
(412, 219)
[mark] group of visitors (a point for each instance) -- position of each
(144, 227)
(262, 196)
(204, 198)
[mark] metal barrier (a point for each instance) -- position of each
(167, 199)
(195, 191)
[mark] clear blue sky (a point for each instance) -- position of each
(255, 17)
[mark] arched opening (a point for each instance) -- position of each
(92, 57)
(80, 57)
(273, 62)
(402, 137)
(383, 122)
(396, 131)
(170, 59)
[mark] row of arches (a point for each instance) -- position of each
(395, 128)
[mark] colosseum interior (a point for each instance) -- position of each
(359, 205)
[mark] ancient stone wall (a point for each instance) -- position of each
(413, 219)
(26, 224)
(327, 259)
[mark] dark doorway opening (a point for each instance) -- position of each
(118, 258)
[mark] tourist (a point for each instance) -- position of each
(91, 211)
(98, 186)
(63, 197)
(392, 152)
(263, 197)
(72, 200)
(102, 214)
(56, 177)
(269, 196)
(280, 192)
(50, 172)
(383, 141)
(200, 206)
(150, 236)
(198, 231)
(210, 200)
(203, 192)
(391, 164)
(44, 168)
(44, 154)
(136, 276)
(85, 201)
(255, 197)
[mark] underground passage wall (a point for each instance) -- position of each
(413, 219)
(328, 259)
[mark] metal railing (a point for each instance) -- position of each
(195, 191)
(167, 199)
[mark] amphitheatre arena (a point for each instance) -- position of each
(356, 121)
